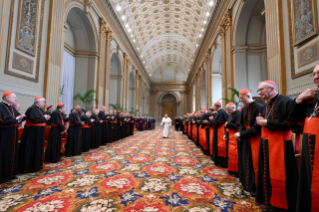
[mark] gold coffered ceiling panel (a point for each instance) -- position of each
(164, 31)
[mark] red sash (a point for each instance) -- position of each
(277, 172)
(254, 146)
(211, 136)
(311, 127)
(86, 126)
(194, 132)
(30, 124)
(221, 143)
(232, 151)
(204, 138)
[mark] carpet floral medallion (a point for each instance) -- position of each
(141, 173)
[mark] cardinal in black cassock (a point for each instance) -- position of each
(32, 141)
(96, 130)
(210, 129)
(104, 125)
(86, 130)
(54, 148)
(248, 141)
(277, 179)
(231, 128)
(304, 109)
(109, 130)
(132, 124)
(219, 144)
(9, 119)
(74, 141)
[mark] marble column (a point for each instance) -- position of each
(275, 44)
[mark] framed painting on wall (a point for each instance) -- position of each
(304, 20)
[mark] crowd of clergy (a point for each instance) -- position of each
(22, 150)
(255, 144)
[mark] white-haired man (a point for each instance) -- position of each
(232, 128)
(277, 179)
(248, 136)
(305, 108)
(9, 120)
(166, 123)
(32, 141)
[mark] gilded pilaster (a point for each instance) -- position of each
(275, 44)
(54, 53)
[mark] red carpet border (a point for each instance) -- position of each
(141, 173)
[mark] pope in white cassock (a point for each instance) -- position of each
(167, 122)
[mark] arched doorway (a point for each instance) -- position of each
(250, 48)
(80, 58)
(116, 80)
(216, 76)
(169, 105)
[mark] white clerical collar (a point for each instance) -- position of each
(6, 103)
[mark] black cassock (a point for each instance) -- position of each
(96, 132)
(8, 142)
(53, 150)
(276, 113)
(49, 122)
(74, 141)
(197, 124)
(132, 123)
(109, 131)
(176, 124)
(141, 124)
(219, 120)
(122, 126)
(249, 132)
(86, 133)
(32, 141)
(307, 190)
(104, 127)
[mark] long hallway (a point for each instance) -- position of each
(142, 173)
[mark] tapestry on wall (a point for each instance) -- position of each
(26, 38)
(304, 16)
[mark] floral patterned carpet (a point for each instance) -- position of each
(142, 173)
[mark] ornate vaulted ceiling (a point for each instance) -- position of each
(164, 31)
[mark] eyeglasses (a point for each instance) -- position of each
(262, 89)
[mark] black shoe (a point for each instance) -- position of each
(264, 210)
(242, 193)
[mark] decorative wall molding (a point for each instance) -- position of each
(20, 90)
(300, 86)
